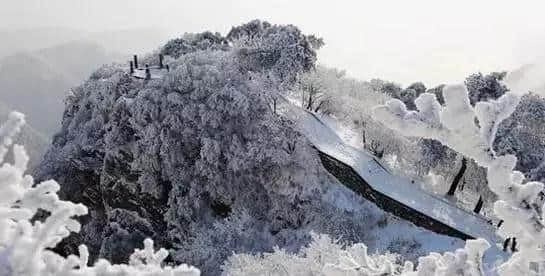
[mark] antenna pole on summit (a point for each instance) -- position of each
(135, 61)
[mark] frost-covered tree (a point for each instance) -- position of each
(314, 98)
(482, 88)
(418, 86)
(437, 158)
(176, 159)
(281, 49)
(190, 42)
(471, 130)
(428, 160)
(438, 92)
(36, 143)
(327, 257)
(409, 94)
(351, 101)
(389, 88)
(523, 135)
(25, 243)
(445, 172)
(319, 89)
(323, 256)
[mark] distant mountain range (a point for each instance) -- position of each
(36, 82)
(38, 67)
(124, 41)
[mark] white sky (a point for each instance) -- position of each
(434, 40)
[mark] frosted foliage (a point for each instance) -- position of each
(173, 158)
(283, 50)
(25, 243)
(194, 42)
(471, 131)
(324, 256)
(8, 131)
(453, 124)
(523, 134)
(330, 91)
(482, 88)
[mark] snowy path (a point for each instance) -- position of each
(398, 188)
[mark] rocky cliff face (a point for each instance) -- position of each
(197, 160)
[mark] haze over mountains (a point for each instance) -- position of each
(36, 82)
(273, 138)
(38, 67)
(124, 41)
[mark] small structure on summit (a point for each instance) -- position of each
(149, 71)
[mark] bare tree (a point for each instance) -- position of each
(313, 90)
(457, 178)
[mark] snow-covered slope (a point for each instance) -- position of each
(196, 160)
(199, 161)
(381, 179)
(402, 189)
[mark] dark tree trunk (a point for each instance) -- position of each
(318, 107)
(458, 177)
(479, 205)
(506, 244)
(363, 133)
(309, 103)
(514, 245)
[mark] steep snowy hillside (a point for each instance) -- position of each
(198, 161)
(201, 161)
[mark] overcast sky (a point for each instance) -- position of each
(434, 41)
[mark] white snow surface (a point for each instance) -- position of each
(155, 73)
(402, 189)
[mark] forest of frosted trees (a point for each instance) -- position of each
(203, 162)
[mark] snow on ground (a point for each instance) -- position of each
(399, 188)
(347, 134)
(394, 233)
(154, 72)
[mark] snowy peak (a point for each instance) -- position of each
(181, 157)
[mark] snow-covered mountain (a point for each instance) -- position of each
(202, 161)
(243, 157)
